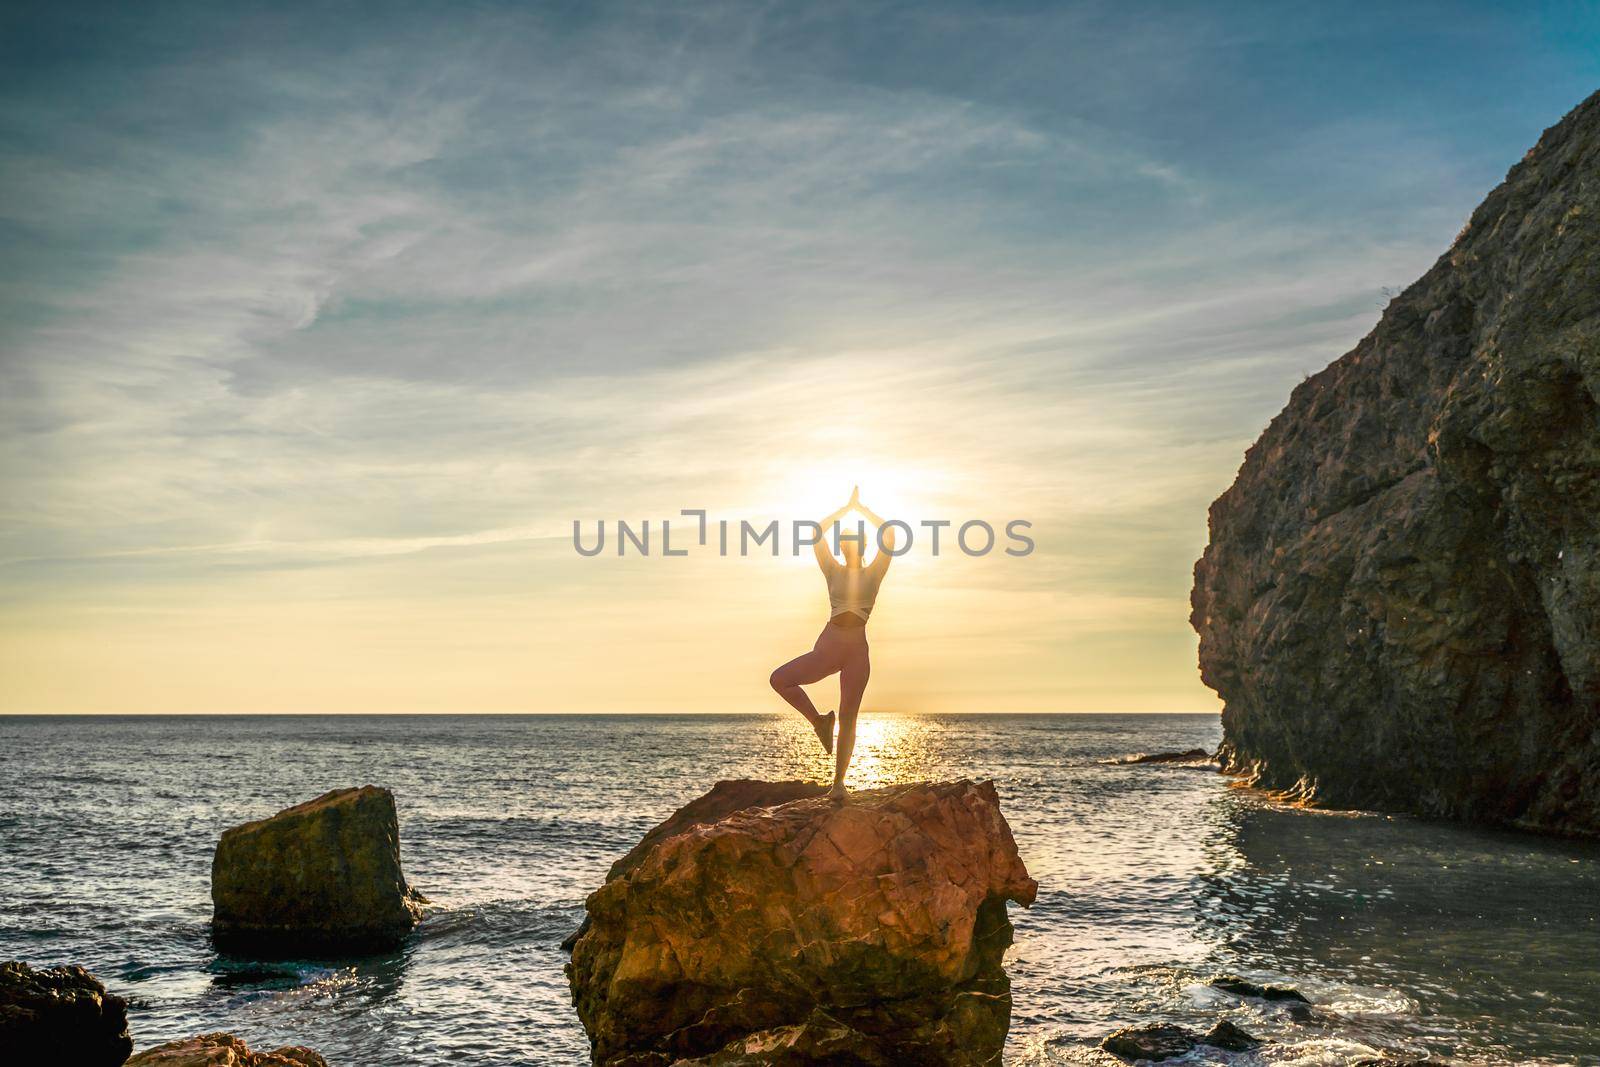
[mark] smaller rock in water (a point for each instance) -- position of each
(1193, 755)
(1154, 1043)
(320, 878)
(1230, 1038)
(60, 1015)
(223, 1050)
(1232, 983)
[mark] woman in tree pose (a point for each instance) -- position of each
(841, 648)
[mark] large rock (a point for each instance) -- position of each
(1400, 602)
(805, 932)
(60, 1015)
(223, 1050)
(319, 878)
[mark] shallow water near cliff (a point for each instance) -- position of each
(1479, 946)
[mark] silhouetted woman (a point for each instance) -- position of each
(841, 648)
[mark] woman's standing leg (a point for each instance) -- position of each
(853, 677)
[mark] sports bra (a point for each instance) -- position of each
(853, 590)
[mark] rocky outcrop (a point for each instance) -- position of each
(1400, 601)
(1151, 1043)
(223, 1050)
(1157, 1042)
(1243, 987)
(1230, 1038)
(60, 1015)
(320, 878)
(1188, 756)
(800, 931)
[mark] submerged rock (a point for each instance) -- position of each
(1193, 755)
(319, 878)
(1241, 987)
(1230, 1038)
(1159, 1042)
(223, 1050)
(1400, 601)
(1154, 1043)
(801, 931)
(60, 1015)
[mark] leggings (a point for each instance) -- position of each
(838, 650)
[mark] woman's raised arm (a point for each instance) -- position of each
(825, 558)
(885, 542)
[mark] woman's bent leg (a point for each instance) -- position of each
(852, 683)
(814, 666)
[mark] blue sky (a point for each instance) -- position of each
(320, 324)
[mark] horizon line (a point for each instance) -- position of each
(512, 714)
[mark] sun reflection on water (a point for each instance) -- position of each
(891, 749)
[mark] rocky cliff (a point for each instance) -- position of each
(1400, 601)
(799, 931)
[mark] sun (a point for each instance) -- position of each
(893, 492)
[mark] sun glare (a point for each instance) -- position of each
(894, 492)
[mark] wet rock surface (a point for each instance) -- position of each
(1400, 601)
(223, 1050)
(320, 878)
(1230, 1038)
(1155, 1043)
(60, 1015)
(803, 931)
(1241, 987)
(1193, 755)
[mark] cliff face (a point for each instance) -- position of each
(799, 931)
(1400, 601)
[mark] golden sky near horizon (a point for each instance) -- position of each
(514, 619)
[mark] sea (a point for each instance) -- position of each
(1410, 937)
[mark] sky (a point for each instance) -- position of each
(320, 326)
